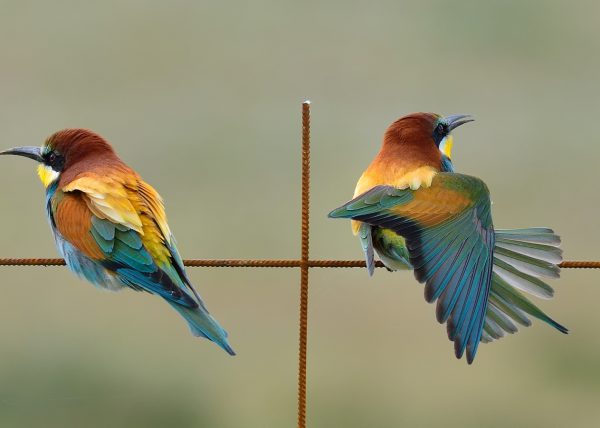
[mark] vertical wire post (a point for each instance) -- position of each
(304, 265)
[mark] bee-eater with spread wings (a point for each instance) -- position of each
(412, 209)
(110, 226)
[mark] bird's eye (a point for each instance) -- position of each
(54, 160)
(442, 129)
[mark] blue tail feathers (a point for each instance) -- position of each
(202, 324)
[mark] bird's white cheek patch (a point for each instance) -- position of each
(446, 146)
(47, 175)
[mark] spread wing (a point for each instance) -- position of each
(522, 258)
(450, 239)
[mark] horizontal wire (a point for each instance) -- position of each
(231, 263)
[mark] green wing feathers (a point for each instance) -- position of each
(449, 237)
(478, 276)
(522, 259)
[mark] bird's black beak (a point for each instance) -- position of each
(455, 120)
(34, 153)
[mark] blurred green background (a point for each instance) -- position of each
(203, 99)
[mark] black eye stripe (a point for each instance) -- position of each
(54, 160)
(440, 131)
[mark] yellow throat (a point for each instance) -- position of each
(446, 146)
(47, 174)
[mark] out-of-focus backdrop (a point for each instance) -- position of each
(203, 99)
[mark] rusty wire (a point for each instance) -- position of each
(303, 333)
(267, 263)
(304, 263)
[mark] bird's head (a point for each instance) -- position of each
(69, 150)
(425, 132)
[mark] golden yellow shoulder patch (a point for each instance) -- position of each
(415, 179)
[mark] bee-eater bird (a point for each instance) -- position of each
(110, 226)
(415, 212)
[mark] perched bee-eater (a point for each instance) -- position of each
(110, 226)
(415, 212)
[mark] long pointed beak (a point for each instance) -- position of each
(30, 152)
(455, 120)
